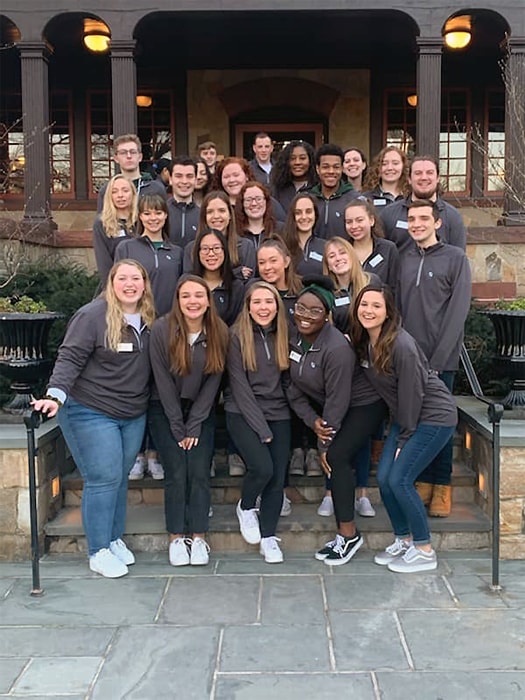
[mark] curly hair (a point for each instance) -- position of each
(373, 176)
(281, 175)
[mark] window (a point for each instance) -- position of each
(454, 153)
(99, 140)
(401, 121)
(155, 126)
(60, 144)
(495, 141)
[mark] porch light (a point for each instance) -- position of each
(458, 32)
(412, 100)
(144, 100)
(468, 440)
(97, 36)
(55, 487)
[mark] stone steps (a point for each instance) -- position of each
(466, 528)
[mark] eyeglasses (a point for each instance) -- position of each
(314, 313)
(253, 200)
(127, 152)
(215, 249)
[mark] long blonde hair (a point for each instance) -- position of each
(358, 278)
(109, 215)
(115, 319)
(215, 328)
(243, 329)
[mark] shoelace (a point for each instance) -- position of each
(339, 544)
(250, 518)
(199, 542)
(272, 542)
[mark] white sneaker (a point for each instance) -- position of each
(138, 469)
(178, 552)
(156, 469)
(326, 508)
(105, 563)
(286, 508)
(364, 507)
(249, 524)
(236, 466)
(270, 550)
(413, 561)
(199, 555)
(392, 552)
(119, 549)
(297, 462)
(313, 465)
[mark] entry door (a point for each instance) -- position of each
(281, 135)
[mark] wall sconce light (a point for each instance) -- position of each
(412, 100)
(97, 36)
(55, 487)
(458, 32)
(144, 100)
(468, 440)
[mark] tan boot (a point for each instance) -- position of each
(425, 491)
(441, 501)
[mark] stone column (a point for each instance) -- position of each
(428, 114)
(514, 78)
(124, 87)
(37, 222)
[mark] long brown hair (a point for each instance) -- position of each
(290, 234)
(391, 326)
(376, 229)
(241, 217)
(115, 319)
(292, 279)
(243, 329)
(231, 231)
(215, 329)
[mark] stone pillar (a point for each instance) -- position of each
(428, 114)
(37, 222)
(514, 78)
(124, 87)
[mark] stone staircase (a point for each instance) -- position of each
(466, 528)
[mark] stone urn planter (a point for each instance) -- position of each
(509, 327)
(24, 357)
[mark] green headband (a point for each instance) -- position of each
(324, 295)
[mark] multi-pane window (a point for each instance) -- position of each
(60, 144)
(155, 126)
(401, 120)
(453, 141)
(99, 139)
(495, 141)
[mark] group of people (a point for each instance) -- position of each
(321, 301)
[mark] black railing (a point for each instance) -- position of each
(495, 414)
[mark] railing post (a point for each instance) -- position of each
(32, 421)
(495, 414)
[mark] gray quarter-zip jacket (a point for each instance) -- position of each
(104, 248)
(434, 291)
(331, 220)
(114, 383)
(183, 221)
(163, 265)
(310, 260)
(395, 222)
(384, 262)
(412, 394)
(329, 375)
(197, 387)
(259, 396)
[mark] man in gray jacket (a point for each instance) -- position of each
(434, 292)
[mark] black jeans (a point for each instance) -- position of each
(358, 426)
(186, 474)
(266, 465)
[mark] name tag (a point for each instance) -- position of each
(125, 347)
(295, 356)
(364, 364)
(402, 224)
(379, 202)
(342, 301)
(316, 256)
(376, 260)
(121, 233)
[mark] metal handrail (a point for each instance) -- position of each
(495, 412)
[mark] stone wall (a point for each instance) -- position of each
(15, 524)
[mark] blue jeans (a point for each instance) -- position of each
(439, 471)
(396, 477)
(104, 450)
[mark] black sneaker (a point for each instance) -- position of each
(344, 549)
(321, 554)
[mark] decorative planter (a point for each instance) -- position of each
(23, 354)
(509, 327)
